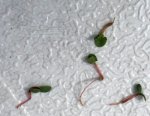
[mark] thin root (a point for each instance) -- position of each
(80, 99)
(23, 102)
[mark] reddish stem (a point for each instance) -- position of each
(84, 91)
(129, 98)
(106, 26)
(29, 97)
(124, 100)
(101, 78)
(99, 71)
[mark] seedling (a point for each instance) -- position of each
(137, 92)
(91, 59)
(100, 40)
(42, 89)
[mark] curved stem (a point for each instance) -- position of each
(84, 91)
(106, 26)
(23, 102)
(99, 71)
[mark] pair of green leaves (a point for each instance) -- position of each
(138, 90)
(36, 89)
(42, 89)
(91, 58)
(100, 40)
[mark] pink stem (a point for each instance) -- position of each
(124, 100)
(29, 97)
(99, 71)
(115, 103)
(128, 98)
(84, 91)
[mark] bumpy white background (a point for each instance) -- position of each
(45, 42)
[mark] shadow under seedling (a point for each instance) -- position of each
(91, 59)
(137, 92)
(100, 40)
(38, 89)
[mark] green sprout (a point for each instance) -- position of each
(37, 89)
(137, 92)
(100, 40)
(91, 59)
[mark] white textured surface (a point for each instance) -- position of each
(45, 41)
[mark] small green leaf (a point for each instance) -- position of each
(143, 96)
(45, 88)
(34, 89)
(91, 58)
(100, 40)
(137, 88)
